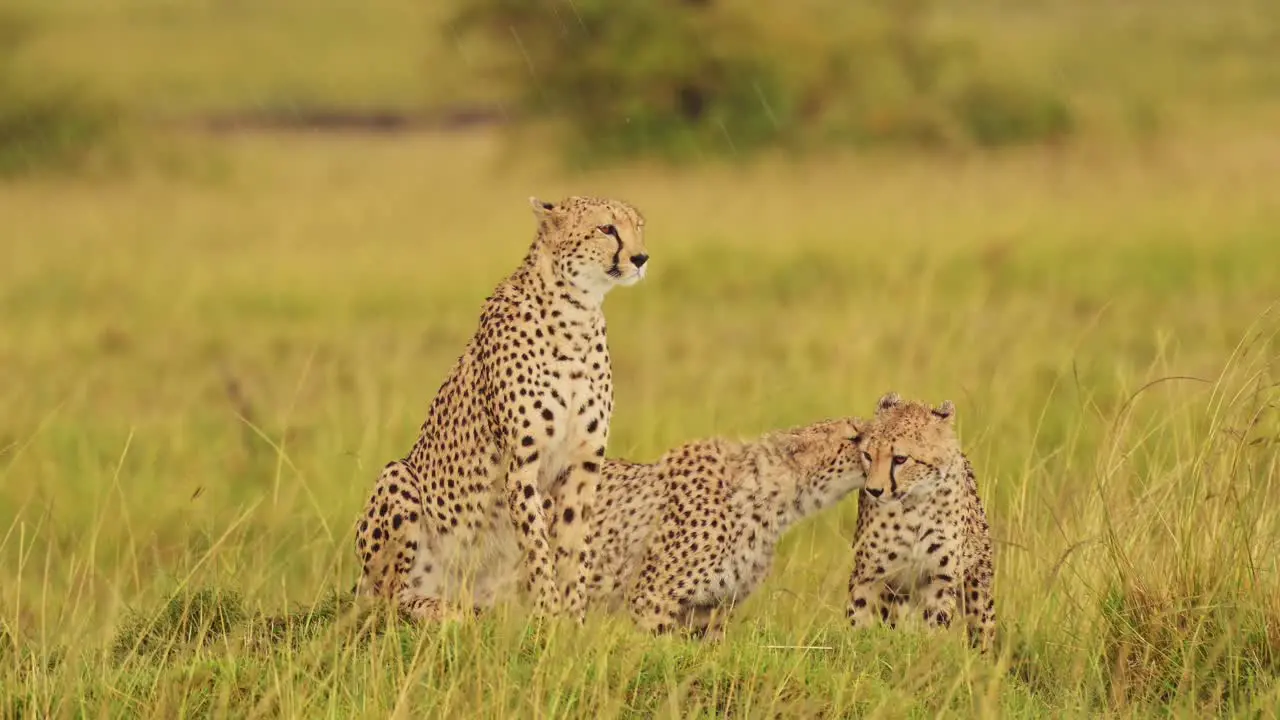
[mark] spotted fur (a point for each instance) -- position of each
(685, 538)
(922, 543)
(529, 401)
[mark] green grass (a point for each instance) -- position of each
(205, 360)
(205, 370)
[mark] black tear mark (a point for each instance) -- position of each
(612, 231)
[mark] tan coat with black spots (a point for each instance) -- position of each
(687, 537)
(922, 543)
(529, 400)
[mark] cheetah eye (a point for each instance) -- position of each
(899, 459)
(608, 230)
(866, 456)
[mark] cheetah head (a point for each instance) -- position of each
(596, 243)
(829, 457)
(907, 448)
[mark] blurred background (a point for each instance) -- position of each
(241, 242)
(617, 81)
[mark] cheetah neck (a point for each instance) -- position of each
(769, 480)
(542, 276)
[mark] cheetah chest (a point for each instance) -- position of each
(915, 542)
(574, 404)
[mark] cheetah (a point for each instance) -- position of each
(922, 538)
(685, 538)
(529, 400)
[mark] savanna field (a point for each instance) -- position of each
(210, 349)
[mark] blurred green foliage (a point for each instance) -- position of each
(686, 78)
(44, 123)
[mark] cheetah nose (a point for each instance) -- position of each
(875, 492)
(639, 260)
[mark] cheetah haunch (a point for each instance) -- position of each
(922, 538)
(686, 537)
(530, 399)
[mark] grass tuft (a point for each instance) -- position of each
(1213, 650)
(202, 617)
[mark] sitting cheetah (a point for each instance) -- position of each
(693, 533)
(922, 537)
(529, 399)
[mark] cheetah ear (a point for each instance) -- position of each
(541, 208)
(859, 429)
(945, 411)
(888, 401)
(545, 212)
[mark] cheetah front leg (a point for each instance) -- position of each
(525, 505)
(575, 551)
(662, 600)
(938, 591)
(979, 608)
(866, 603)
(867, 597)
(938, 599)
(651, 603)
(577, 487)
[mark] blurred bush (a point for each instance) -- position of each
(685, 78)
(44, 124)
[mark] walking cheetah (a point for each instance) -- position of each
(682, 539)
(530, 399)
(922, 537)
